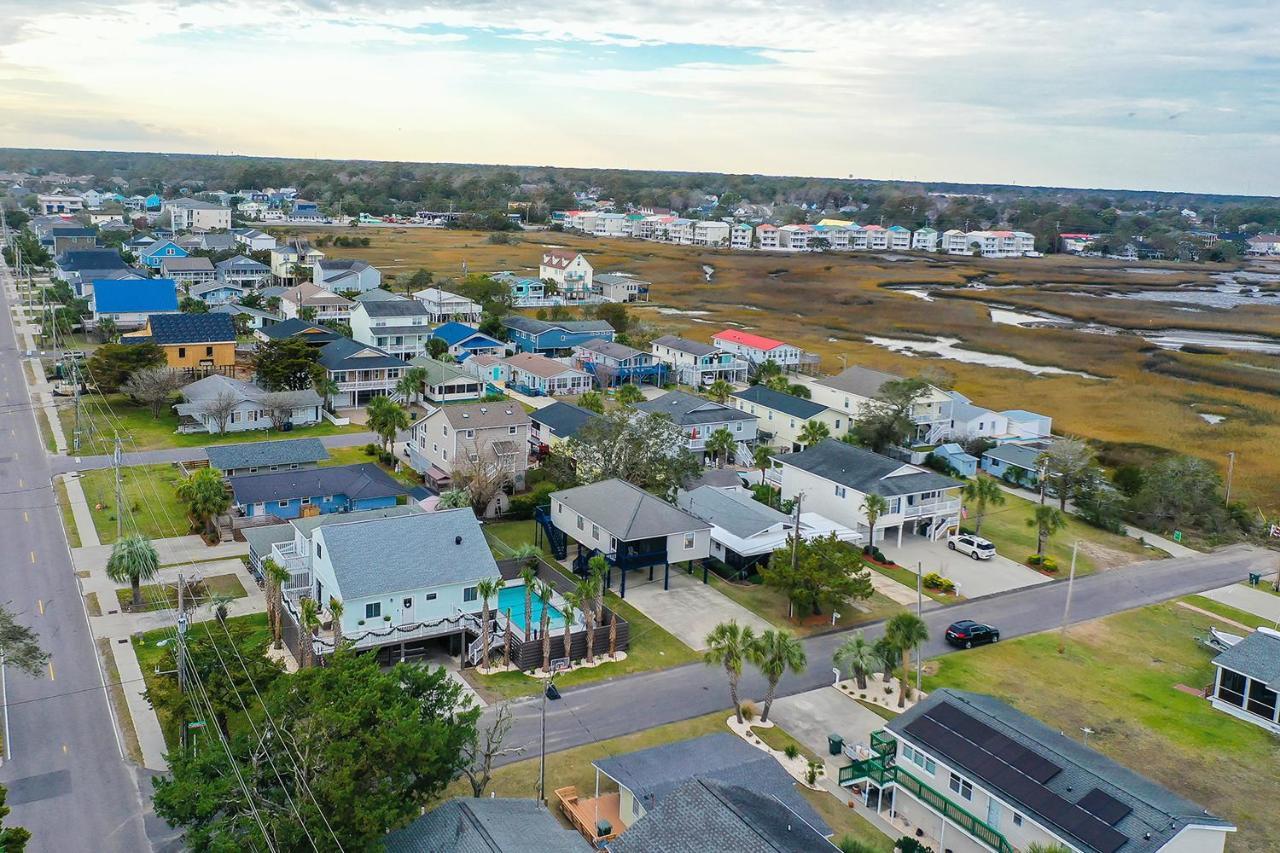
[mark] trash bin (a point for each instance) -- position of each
(835, 744)
(1255, 578)
(552, 692)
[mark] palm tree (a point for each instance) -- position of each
(386, 418)
(906, 631)
(218, 604)
(887, 654)
(568, 611)
(779, 383)
(592, 402)
(628, 395)
(310, 618)
(719, 443)
(335, 609)
(719, 391)
(487, 588)
(585, 595)
(133, 560)
(813, 432)
(528, 555)
(1047, 521)
(410, 384)
(326, 387)
(205, 495)
(545, 592)
(773, 653)
(276, 576)
(454, 499)
(874, 506)
(729, 645)
(857, 657)
(1049, 847)
(981, 491)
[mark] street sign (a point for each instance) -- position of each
(196, 724)
(1177, 536)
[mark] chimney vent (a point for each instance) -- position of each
(457, 540)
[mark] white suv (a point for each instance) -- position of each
(974, 546)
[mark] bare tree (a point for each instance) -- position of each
(483, 472)
(153, 386)
(279, 406)
(485, 746)
(219, 407)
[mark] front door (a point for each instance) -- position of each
(406, 610)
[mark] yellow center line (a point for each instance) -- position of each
(40, 604)
(64, 749)
(51, 675)
(21, 485)
(33, 558)
(26, 517)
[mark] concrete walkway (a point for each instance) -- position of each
(896, 592)
(41, 390)
(175, 551)
(1250, 600)
(80, 512)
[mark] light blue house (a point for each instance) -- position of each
(465, 341)
(966, 465)
(1014, 463)
(155, 254)
(317, 491)
(551, 338)
(153, 202)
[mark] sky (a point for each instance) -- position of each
(1174, 95)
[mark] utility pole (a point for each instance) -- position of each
(115, 464)
(795, 549)
(75, 432)
(1231, 470)
(1066, 611)
(919, 615)
(182, 634)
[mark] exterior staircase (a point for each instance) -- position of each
(555, 536)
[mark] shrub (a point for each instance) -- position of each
(907, 844)
(371, 449)
(1049, 564)
(748, 711)
(933, 580)
(848, 844)
(792, 751)
(1034, 560)
(811, 775)
(522, 506)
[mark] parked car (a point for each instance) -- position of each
(974, 546)
(966, 634)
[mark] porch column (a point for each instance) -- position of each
(901, 525)
(704, 570)
(623, 572)
(650, 571)
(666, 577)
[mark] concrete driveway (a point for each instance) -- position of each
(809, 717)
(689, 609)
(973, 577)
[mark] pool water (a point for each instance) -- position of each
(512, 598)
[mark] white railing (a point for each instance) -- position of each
(288, 558)
(369, 385)
(930, 508)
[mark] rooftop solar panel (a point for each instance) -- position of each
(1104, 807)
(1036, 766)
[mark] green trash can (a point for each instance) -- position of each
(1255, 578)
(835, 744)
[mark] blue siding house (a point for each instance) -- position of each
(129, 302)
(155, 254)
(465, 341)
(953, 454)
(1013, 463)
(315, 491)
(550, 338)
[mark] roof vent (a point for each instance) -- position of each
(466, 414)
(484, 410)
(457, 540)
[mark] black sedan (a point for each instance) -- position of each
(966, 634)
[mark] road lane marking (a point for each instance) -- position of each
(21, 485)
(40, 604)
(26, 517)
(64, 749)
(51, 676)
(33, 558)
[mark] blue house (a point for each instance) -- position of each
(465, 341)
(953, 454)
(154, 254)
(154, 202)
(551, 338)
(130, 301)
(315, 491)
(1014, 463)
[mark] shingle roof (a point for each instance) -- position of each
(1257, 656)
(628, 512)
(297, 326)
(365, 480)
(341, 354)
(187, 265)
(686, 409)
(342, 264)
(241, 263)
(439, 372)
(72, 231)
(788, 404)
(1018, 455)
(395, 308)
(91, 259)
(309, 293)
(484, 415)
(377, 294)
(563, 419)
(391, 555)
(736, 512)
(533, 326)
(862, 381)
(191, 328)
(686, 345)
(863, 470)
(611, 349)
(469, 825)
(294, 451)
(539, 365)
(134, 296)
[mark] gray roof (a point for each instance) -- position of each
(377, 294)
(439, 372)
(788, 404)
(628, 511)
(365, 480)
(261, 539)
(651, 774)
(307, 526)
(342, 264)
(863, 470)
(686, 345)
(391, 555)
(736, 817)
(469, 825)
(187, 265)
(395, 308)
(620, 352)
(962, 411)
(1018, 455)
(193, 204)
(1257, 656)
(484, 415)
(1155, 810)
(615, 278)
(537, 327)
(862, 381)
(265, 453)
(215, 384)
(736, 512)
(687, 409)
(237, 308)
(339, 355)
(563, 419)
(240, 263)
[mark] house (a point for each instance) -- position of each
(745, 532)
(1247, 679)
(290, 543)
(443, 306)
(212, 242)
(757, 349)
(630, 527)
(899, 238)
(767, 236)
(107, 217)
(551, 425)
(447, 383)
(293, 261)
(315, 491)
(69, 237)
(50, 204)
(877, 237)
(129, 302)
(973, 770)
(1259, 244)
(782, 417)
(221, 404)
(570, 270)
(526, 292)
(854, 388)
(698, 364)
(1014, 463)
(711, 233)
(465, 341)
(378, 295)
(138, 243)
(925, 240)
(313, 333)
(345, 276)
(305, 211)
(486, 825)
(155, 253)
(553, 337)
(81, 267)
(698, 417)
(400, 326)
(487, 368)
(324, 304)
(835, 479)
(193, 342)
(254, 240)
(614, 287)
(1076, 244)
(1027, 425)
(243, 272)
(266, 456)
(612, 363)
(188, 272)
(452, 439)
(258, 318)
(216, 292)
(539, 376)
(740, 236)
(189, 213)
(361, 372)
(964, 464)
(970, 421)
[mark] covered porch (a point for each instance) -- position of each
(598, 818)
(631, 556)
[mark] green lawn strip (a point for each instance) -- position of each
(1118, 677)
(845, 822)
(1267, 585)
(64, 507)
(46, 431)
(776, 738)
(1226, 611)
(510, 535)
(771, 605)
(356, 456)
(879, 710)
(161, 596)
(907, 578)
(150, 493)
(115, 694)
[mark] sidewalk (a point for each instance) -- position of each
(1263, 604)
(41, 392)
(81, 513)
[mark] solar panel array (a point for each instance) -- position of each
(1103, 806)
(1005, 764)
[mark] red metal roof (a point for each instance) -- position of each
(748, 340)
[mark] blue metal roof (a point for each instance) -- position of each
(453, 332)
(134, 295)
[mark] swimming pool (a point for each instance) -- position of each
(512, 598)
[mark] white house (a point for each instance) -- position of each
(698, 418)
(570, 270)
(954, 242)
(615, 287)
(254, 240)
(925, 240)
(757, 349)
(189, 213)
(1247, 680)
(767, 236)
(899, 238)
(711, 233)
(47, 205)
(286, 257)
(361, 372)
(221, 404)
(443, 306)
(342, 275)
(400, 326)
(855, 387)
(877, 238)
(326, 304)
(740, 236)
(698, 364)
(784, 416)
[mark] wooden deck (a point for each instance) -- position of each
(583, 813)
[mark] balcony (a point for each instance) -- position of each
(931, 508)
(287, 557)
(369, 385)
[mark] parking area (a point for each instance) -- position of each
(973, 578)
(689, 609)
(809, 717)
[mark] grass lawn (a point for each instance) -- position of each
(160, 596)
(772, 605)
(907, 578)
(64, 506)
(151, 500)
(845, 822)
(505, 536)
(141, 431)
(1118, 678)
(778, 739)
(357, 456)
(1006, 526)
(46, 431)
(1226, 611)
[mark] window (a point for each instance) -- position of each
(737, 427)
(431, 596)
(253, 470)
(511, 430)
(469, 594)
(319, 550)
(306, 501)
(1017, 819)
(961, 786)
(208, 350)
(284, 503)
(582, 525)
(841, 491)
(373, 611)
(595, 531)
(182, 352)
(688, 541)
(293, 467)
(1231, 688)
(275, 467)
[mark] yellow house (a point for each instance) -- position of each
(783, 416)
(197, 343)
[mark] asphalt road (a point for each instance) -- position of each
(625, 705)
(67, 781)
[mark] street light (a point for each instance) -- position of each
(1066, 611)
